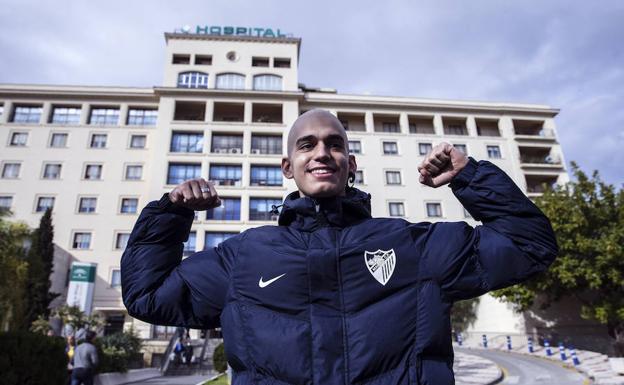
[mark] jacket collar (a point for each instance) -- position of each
(309, 214)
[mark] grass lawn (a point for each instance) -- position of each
(222, 380)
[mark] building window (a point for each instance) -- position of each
(134, 172)
(266, 144)
(11, 170)
(230, 81)
(180, 172)
(355, 147)
(163, 332)
(213, 239)
(187, 142)
(190, 245)
(66, 115)
(390, 148)
(424, 148)
(393, 177)
(193, 80)
(98, 141)
(228, 112)
(1, 110)
(259, 61)
(121, 240)
(266, 113)
(137, 141)
(5, 202)
(396, 209)
(87, 205)
(203, 60)
(81, 240)
(227, 144)
(93, 172)
(142, 117)
(359, 177)
(260, 209)
(225, 175)
(129, 205)
(18, 139)
(43, 203)
(462, 148)
(52, 171)
(181, 59)
(104, 116)
(390, 127)
(266, 176)
(434, 210)
(494, 152)
(281, 62)
(267, 83)
(27, 114)
(228, 211)
(116, 278)
(58, 140)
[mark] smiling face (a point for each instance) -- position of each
(318, 156)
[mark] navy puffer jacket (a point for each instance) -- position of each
(331, 295)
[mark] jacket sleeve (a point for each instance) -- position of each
(158, 286)
(515, 242)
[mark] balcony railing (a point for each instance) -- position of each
(543, 160)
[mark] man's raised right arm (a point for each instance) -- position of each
(157, 285)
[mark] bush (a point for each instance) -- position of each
(218, 359)
(32, 359)
(117, 351)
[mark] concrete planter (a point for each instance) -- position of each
(617, 364)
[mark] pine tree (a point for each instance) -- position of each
(40, 267)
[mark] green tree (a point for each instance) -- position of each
(464, 314)
(40, 263)
(13, 271)
(587, 216)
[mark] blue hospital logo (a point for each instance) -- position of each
(380, 264)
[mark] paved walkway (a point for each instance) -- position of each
(173, 380)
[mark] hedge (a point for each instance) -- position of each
(27, 358)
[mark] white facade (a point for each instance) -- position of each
(223, 105)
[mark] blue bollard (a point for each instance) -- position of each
(460, 339)
(484, 341)
(530, 344)
(562, 351)
(508, 343)
(575, 359)
(547, 347)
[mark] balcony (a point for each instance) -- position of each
(539, 157)
(386, 123)
(352, 121)
(421, 125)
(537, 184)
(454, 126)
(228, 112)
(487, 127)
(533, 130)
(266, 113)
(190, 111)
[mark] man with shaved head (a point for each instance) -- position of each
(332, 295)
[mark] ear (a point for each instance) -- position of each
(352, 164)
(287, 168)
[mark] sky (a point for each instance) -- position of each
(567, 54)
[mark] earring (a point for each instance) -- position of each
(351, 179)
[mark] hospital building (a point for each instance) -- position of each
(98, 154)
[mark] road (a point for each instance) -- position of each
(524, 370)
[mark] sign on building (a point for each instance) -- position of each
(81, 286)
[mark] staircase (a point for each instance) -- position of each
(201, 362)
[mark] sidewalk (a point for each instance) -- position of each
(474, 370)
(594, 365)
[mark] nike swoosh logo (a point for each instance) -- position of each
(263, 284)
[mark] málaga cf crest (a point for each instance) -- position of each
(380, 264)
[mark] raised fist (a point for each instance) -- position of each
(195, 194)
(441, 165)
